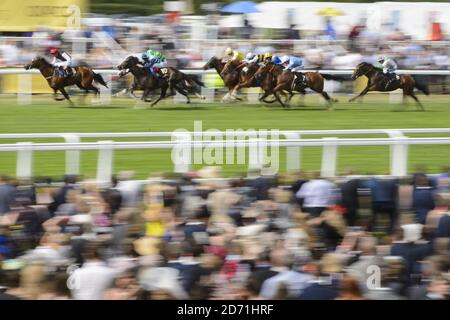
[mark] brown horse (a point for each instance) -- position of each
(247, 79)
(230, 77)
(83, 78)
(376, 82)
(287, 81)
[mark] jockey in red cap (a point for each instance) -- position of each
(61, 60)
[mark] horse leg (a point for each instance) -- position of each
(417, 101)
(95, 89)
(265, 95)
(85, 92)
(184, 93)
(161, 96)
(328, 99)
(235, 90)
(278, 99)
(63, 91)
(364, 92)
(145, 94)
(55, 95)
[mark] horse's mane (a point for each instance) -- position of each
(46, 59)
(371, 65)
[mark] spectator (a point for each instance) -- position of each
(6, 195)
(384, 193)
(317, 195)
(91, 281)
(423, 199)
(350, 289)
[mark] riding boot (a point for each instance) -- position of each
(390, 79)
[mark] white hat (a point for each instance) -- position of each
(228, 51)
(412, 232)
(250, 55)
(284, 59)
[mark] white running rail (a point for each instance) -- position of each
(291, 140)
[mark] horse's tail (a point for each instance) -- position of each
(421, 86)
(331, 77)
(193, 78)
(98, 78)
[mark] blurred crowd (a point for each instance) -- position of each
(200, 236)
(105, 45)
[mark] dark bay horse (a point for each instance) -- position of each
(286, 81)
(230, 77)
(83, 78)
(376, 82)
(143, 80)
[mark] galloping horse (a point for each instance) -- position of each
(376, 82)
(230, 76)
(143, 80)
(286, 81)
(83, 77)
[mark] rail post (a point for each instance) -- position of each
(293, 154)
(104, 162)
(182, 152)
(24, 166)
(72, 156)
(398, 153)
(329, 157)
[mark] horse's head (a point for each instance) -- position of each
(263, 69)
(36, 63)
(361, 69)
(211, 63)
(129, 62)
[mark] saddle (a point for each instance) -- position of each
(299, 79)
(391, 78)
(162, 72)
(69, 72)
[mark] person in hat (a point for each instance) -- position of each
(61, 60)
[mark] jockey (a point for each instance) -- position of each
(61, 60)
(234, 55)
(389, 67)
(257, 58)
(276, 60)
(293, 64)
(153, 59)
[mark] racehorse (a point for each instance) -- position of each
(247, 79)
(230, 75)
(376, 82)
(83, 77)
(287, 81)
(143, 80)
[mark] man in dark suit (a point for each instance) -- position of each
(349, 194)
(384, 201)
(190, 270)
(60, 196)
(6, 195)
(443, 230)
(423, 198)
